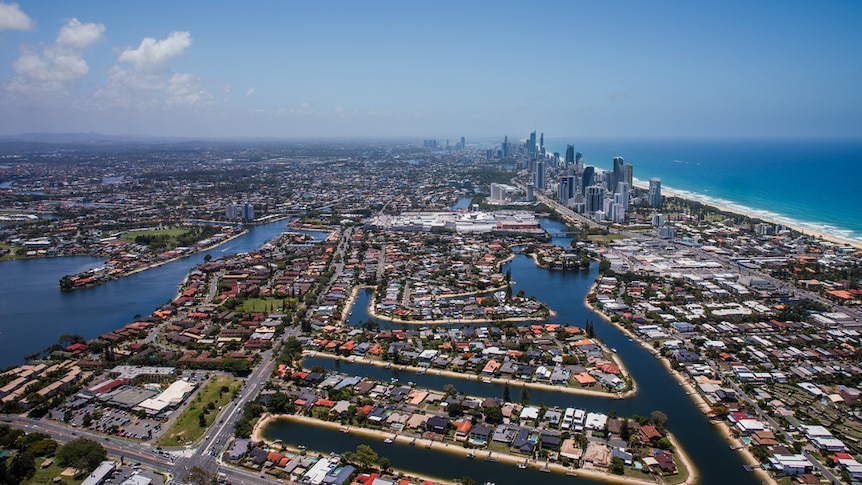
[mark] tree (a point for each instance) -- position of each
(82, 454)
(494, 415)
(199, 476)
(365, 456)
(617, 466)
(22, 466)
(454, 409)
(659, 419)
(525, 396)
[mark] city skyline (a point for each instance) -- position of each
(341, 69)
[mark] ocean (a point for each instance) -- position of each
(813, 184)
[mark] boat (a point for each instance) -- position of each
(344, 429)
(486, 380)
(420, 372)
(492, 459)
(470, 455)
(301, 447)
(613, 350)
(388, 441)
(522, 465)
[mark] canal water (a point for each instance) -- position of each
(563, 292)
(35, 313)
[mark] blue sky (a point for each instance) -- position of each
(432, 69)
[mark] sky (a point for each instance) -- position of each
(287, 69)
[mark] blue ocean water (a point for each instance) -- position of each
(813, 184)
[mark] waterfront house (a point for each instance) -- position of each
(437, 424)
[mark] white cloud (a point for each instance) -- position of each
(153, 55)
(250, 92)
(12, 18)
(148, 82)
(51, 70)
(186, 89)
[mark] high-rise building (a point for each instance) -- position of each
(619, 174)
(539, 176)
(594, 199)
(623, 193)
(654, 192)
(506, 146)
(570, 155)
(588, 177)
(531, 196)
(568, 188)
(531, 145)
(248, 211)
(230, 211)
(542, 143)
(463, 143)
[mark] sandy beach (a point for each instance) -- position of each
(772, 219)
(503, 458)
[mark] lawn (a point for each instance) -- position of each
(187, 428)
(262, 305)
(46, 475)
(172, 233)
(606, 238)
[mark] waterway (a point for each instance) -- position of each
(564, 292)
(463, 203)
(35, 313)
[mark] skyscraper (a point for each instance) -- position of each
(595, 199)
(619, 174)
(539, 177)
(463, 143)
(570, 155)
(567, 188)
(506, 146)
(623, 193)
(655, 192)
(531, 145)
(588, 178)
(248, 211)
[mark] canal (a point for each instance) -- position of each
(563, 292)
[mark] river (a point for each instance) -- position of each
(564, 292)
(36, 313)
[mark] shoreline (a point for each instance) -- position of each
(725, 206)
(472, 377)
(157, 264)
(504, 458)
(690, 390)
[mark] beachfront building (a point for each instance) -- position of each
(655, 192)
